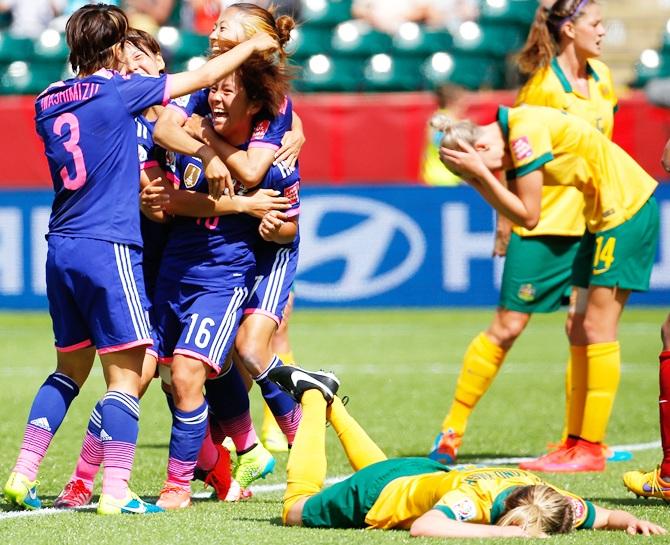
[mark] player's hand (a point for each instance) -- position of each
(271, 224)
(218, 176)
(155, 196)
(264, 201)
(466, 161)
(645, 528)
(263, 42)
(199, 128)
(291, 144)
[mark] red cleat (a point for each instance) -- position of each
(220, 477)
(75, 494)
(583, 457)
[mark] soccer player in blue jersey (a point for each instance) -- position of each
(143, 56)
(94, 283)
(198, 316)
(249, 167)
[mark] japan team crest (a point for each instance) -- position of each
(521, 148)
(191, 175)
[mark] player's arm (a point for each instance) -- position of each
(164, 196)
(291, 143)
(278, 227)
(607, 519)
(151, 182)
(435, 523)
(520, 203)
(220, 66)
(169, 133)
(247, 166)
(665, 158)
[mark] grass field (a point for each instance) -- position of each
(398, 368)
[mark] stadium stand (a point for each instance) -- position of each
(335, 52)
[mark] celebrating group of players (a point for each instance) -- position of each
(219, 256)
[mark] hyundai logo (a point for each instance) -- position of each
(361, 237)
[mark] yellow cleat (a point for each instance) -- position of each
(22, 492)
(647, 485)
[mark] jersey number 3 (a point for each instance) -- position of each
(71, 146)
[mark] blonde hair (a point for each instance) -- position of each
(539, 510)
(544, 36)
(454, 130)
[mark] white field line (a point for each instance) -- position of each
(268, 488)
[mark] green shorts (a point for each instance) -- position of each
(622, 256)
(347, 503)
(538, 273)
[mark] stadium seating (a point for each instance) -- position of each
(333, 52)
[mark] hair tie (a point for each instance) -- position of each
(574, 14)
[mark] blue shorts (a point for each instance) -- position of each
(275, 270)
(96, 295)
(198, 321)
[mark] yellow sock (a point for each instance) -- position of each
(604, 371)
(575, 409)
(287, 357)
(481, 362)
(359, 448)
(307, 465)
(269, 423)
(568, 397)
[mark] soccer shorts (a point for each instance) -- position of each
(96, 295)
(537, 276)
(275, 270)
(622, 256)
(347, 503)
(198, 321)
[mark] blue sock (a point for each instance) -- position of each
(95, 421)
(279, 402)
(227, 395)
(188, 431)
(46, 415)
(120, 417)
(52, 402)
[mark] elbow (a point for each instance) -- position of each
(250, 177)
(417, 529)
(530, 224)
(159, 133)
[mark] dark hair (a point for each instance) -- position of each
(143, 41)
(91, 32)
(545, 33)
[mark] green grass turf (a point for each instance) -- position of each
(398, 368)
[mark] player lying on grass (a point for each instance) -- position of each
(418, 494)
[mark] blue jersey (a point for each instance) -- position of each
(89, 134)
(154, 235)
(198, 248)
(266, 133)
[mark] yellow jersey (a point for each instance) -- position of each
(561, 212)
(570, 152)
(475, 495)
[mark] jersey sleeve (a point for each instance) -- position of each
(139, 92)
(459, 505)
(195, 103)
(292, 193)
(584, 512)
(530, 147)
(269, 134)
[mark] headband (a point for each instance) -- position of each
(575, 13)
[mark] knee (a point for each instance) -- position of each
(506, 331)
(250, 355)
